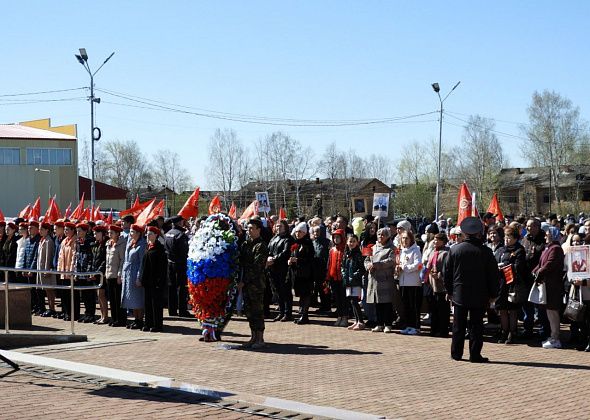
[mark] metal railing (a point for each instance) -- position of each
(72, 278)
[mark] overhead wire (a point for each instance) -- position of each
(42, 92)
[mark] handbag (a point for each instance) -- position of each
(538, 294)
(575, 309)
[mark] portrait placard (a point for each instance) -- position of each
(577, 262)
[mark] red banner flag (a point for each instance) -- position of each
(494, 208)
(36, 210)
(110, 218)
(143, 217)
(68, 211)
(215, 205)
(79, 210)
(282, 214)
(136, 203)
(250, 211)
(233, 211)
(464, 204)
(97, 214)
(135, 210)
(191, 207)
(2, 216)
(52, 213)
(25, 213)
(85, 214)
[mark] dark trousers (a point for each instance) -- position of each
(88, 297)
(154, 316)
(441, 315)
(114, 292)
(284, 293)
(384, 313)
(411, 303)
(267, 296)
(321, 295)
(37, 295)
(475, 332)
(356, 308)
(177, 290)
(254, 306)
(339, 292)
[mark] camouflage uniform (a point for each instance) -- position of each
(253, 255)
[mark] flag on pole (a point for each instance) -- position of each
(494, 208)
(135, 210)
(233, 211)
(97, 214)
(36, 210)
(2, 216)
(136, 203)
(250, 211)
(215, 205)
(85, 214)
(79, 210)
(464, 203)
(142, 218)
(191, 207)
(52, 213)
(282, 214)
(68, 211)
(474, 212)
(110, 217)
(26, 212)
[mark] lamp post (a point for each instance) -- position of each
(436, 88)
(94, 131)
(49, 172)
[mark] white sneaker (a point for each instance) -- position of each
(552, 344)
(388, 329)
(378, 328)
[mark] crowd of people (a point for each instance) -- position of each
(370, 274)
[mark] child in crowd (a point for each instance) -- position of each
(334, 277)
(353, 269)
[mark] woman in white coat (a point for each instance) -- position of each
(410, 285)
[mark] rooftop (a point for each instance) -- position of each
(18, 131)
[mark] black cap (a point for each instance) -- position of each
(432, 228)
(174, 219)
(471, 226)
(255, 221)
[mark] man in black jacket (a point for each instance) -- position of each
(176, 244)
(472, 280)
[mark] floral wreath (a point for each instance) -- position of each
(212, 269)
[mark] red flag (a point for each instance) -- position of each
(494, 208)
(282, 214)
(25, 213)
(1, 216)
(135, 210)
(68, 211)
(191, 207)
(215, 205)
(85, 214)
(250, 211)
(136, 203)
(233, 211)
(79, 210)
(110, 218)
(36, 210)
(52, 213)
(91, 214)
(144, 217)
(464, 203)
(97, 214)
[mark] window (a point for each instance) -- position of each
(49, 156)
(9, 156)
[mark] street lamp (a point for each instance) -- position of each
(49, 172)
(436, 88)
(94, 131)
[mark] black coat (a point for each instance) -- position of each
(471, 274)
(8, 252)
(353, 268)
(154, 267)
(279, 247)
(177, 246)
(300, 274)
(514, 256)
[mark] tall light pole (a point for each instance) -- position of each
(436, 88)
(94, 131)
(49, 172)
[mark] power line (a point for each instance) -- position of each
(481, 126)
(489, 118)
(42, 92)
(36, 101)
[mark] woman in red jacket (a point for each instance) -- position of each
(334, 277)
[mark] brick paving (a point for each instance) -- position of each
(383, 374)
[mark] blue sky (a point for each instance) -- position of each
(306, 59)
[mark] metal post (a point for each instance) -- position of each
(6, 312)
(92, 186)
(438, 165)
(72, 322)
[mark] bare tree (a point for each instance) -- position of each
(380, 167)
(554, 134)
(225, 153)
(482, 156)
(126, 167)
(100, 158)
(169, 172)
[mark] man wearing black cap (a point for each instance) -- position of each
(176, 244)
(472, 280)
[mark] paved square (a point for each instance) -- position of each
(383, 374)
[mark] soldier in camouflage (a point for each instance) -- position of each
(253, 256)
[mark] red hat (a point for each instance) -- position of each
(59, 223)
(23, 225)
(116, 228)
(34, 223)
(2, 223)
(137, 228)
(82, 225)
(12, 225)
(153, 229)
(100, 228)
(45, 225)
(70, 225)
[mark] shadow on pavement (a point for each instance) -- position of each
(542, 365)
(306, 349)
(131, 392)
